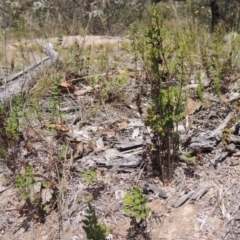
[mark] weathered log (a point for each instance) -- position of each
(158, 191)
(182, 199)
(24, 80)
(199, 192)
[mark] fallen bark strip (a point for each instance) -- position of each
(182, 199)
(199, 192)
(129, 145)
(120, 162)
(208, 140)
(24, 80)
(158, 191)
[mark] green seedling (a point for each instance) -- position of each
(94, 230)
(135, 204)
(25, 182)
(89, 175)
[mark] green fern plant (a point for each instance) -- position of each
(55, 100)
(135, 204)
(89, 175)
(16, 112)
(25, 181)
(135, 207)
(166, 69)
(94, 230)
(200, 86)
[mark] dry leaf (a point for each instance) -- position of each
(105, 132)
(79, 151)
(81, 92)
(91, 145)
(46, 195)
(99, 143)
(77, 154)
(58, 127)
(123, 124)
(66, 86)
(192, 106)
(102, 149)
(80, 97)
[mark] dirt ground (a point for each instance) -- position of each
(213, 216)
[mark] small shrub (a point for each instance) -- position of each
(166, 68)
(55, 101)
(94, 230)
(200, 86)
(24, 182)
(135, 204)
(16, 112)
(89, 175)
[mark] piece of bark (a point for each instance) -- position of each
(158, 191)
(211, 98)
(230, 148)
(236, 154)
(24, 80)
(235, 139)
(223, 156)
(202, 144)
(234, 162)
(199, 192)
(182, 199)
(129, 145)
(208, 141)
(219, 129)
(120, 162)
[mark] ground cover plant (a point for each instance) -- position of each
(121, 137)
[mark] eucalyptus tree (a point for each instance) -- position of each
(221, 11)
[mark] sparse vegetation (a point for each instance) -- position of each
(94, 230)
(24, 182)
(56, 139)
(15, 113)
(89, 175)
(135, 206)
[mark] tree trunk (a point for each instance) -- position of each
(215, 14)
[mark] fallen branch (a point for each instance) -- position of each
(24, 80)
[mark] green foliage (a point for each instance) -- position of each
(47, 184)
(113, 88)
(188, 158)
(217, 85)
(226, 135)
(135, 204)
(167, 70)
(24, 182)
(103, 62)
(89, 175)
(166, 98)
(63, 152)
(16, 112)
(94, 230)
(168, 101)
(55, 100)
(35, 106)
(2, 152)
(200, 86)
